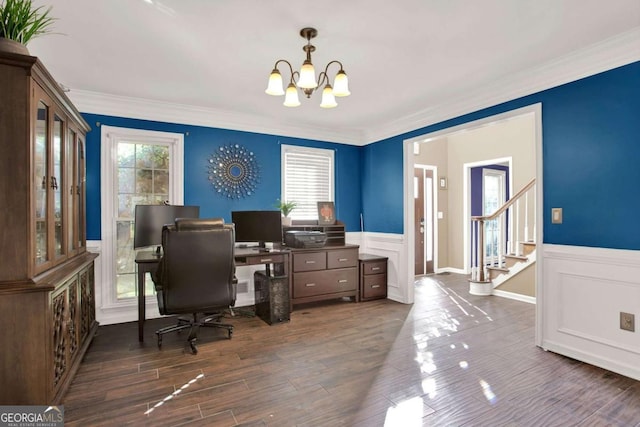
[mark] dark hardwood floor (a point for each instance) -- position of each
(450, 359)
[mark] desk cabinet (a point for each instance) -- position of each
(324, 273)
(373, 277)
(46, 280)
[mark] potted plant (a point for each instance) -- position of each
(20, 22)
(286, 208)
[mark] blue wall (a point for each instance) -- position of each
(591, 156)
(200, 143)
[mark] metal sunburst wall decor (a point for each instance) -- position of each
(233, 171)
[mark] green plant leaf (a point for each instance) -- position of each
(21, 21)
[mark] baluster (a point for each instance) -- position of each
(533, 192)
(526, 216)
(501, 236)
(517, 227)
(473, 250)
(481, 272)
(510, 228)
(494, 243)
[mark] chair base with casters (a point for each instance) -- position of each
(193, 324)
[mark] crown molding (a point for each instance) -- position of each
(611, 53)
(146, 109)
(603, 56)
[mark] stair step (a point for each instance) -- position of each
(528, 247)
(511, 260)
(496, 271)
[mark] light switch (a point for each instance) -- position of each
(440, 215)
(556, 215)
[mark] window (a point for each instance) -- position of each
(307, 178)
(142, 178)
(138, 167)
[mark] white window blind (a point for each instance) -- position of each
(307, 178)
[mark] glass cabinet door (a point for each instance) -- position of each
(57, 184)
(41, 183)
(72, 191)
(75, 201)
(81, 177)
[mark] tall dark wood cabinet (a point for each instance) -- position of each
(47, 305)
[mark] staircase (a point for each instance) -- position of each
(503, 243)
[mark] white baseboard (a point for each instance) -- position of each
(631, 371)
(514, 296)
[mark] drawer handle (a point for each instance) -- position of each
(375, 268)
(266, 260)
(342, 281)
(343, 259)
(310, 285)
(310, 262)
(375, 286)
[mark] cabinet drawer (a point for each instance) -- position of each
(374, 286)
(375, 267)
(342, 258)
(309, 261)
(309, 284)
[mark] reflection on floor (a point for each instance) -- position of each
(449, 359)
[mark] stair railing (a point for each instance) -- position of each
(518, 214)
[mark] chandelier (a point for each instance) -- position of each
(305, 79)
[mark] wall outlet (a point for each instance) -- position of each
(556, 215)
(627, 322)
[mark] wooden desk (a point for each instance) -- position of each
(147, 262)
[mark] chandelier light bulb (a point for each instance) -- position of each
(328, 100)
(341, 84)
(307, 76)
(275, 83)
(291, 96)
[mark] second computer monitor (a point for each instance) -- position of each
(258, 226)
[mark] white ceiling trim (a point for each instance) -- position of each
(606, 55)
(146, 109)
(615, 52)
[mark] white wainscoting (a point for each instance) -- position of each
(391, 246)
(583, 292)
(122, 311)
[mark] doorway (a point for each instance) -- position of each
(424, 219)
(454, 222)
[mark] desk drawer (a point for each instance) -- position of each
(309, 284)
(379, 267)
(309, 261)
(342, 258)
(265, 258)
(374, 286)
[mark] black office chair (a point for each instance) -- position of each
(196, 275)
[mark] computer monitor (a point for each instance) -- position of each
(258, 226)
(149, 220)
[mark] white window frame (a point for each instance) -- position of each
(126, 309)
(294, 149)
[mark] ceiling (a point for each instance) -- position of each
(410, 62)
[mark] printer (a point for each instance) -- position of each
(305, 239)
